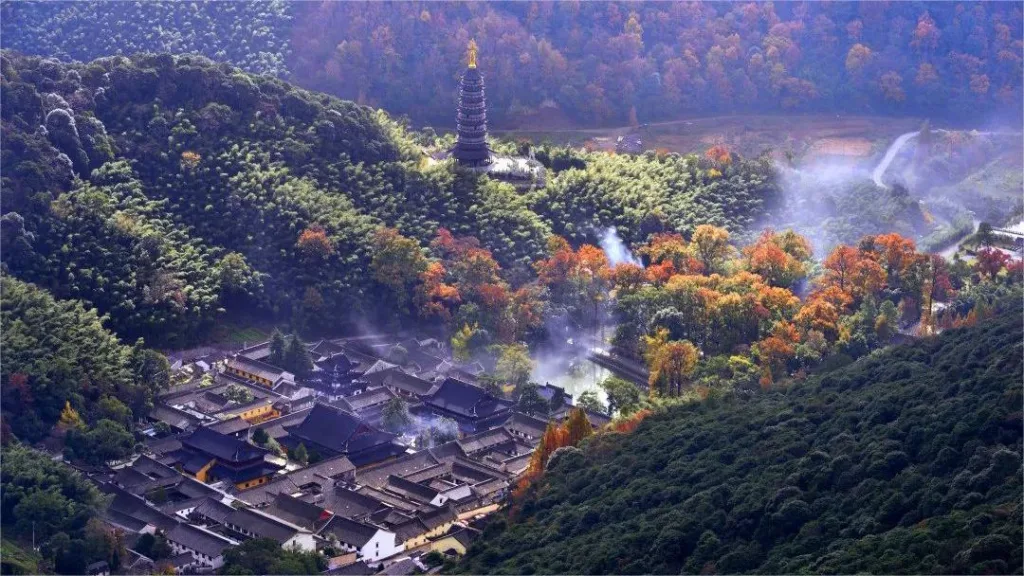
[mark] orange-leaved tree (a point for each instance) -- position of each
(711, 246)
(397, 263)
(313, 243)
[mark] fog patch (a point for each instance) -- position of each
(615, 249)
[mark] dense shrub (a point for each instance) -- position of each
(906, 461)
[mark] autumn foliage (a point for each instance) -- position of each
(571, 432)
(314, 243)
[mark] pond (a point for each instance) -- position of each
(570, 369)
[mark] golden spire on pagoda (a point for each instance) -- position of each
(472, 53)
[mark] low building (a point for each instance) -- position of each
(256, 524)
(473, 408)
(210, 456)
(311, 483)
(368, 405)
(333, 432)
(370, 543)
(145, 475)
(258, 372)
(298, 512)
(184, 563)
(401, 383)
(455, 542)
(255, 412)
(526, 427)
(426, 525)
(206, 547)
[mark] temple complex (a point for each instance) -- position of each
(471, 150)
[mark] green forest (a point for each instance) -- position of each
(579, 62)
(906, 461)
(168, 191)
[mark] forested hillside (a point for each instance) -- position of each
(167, 190)
(597, 62)
(907, 461)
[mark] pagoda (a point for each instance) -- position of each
(471, 149)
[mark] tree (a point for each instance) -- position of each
(277, 348)
(41, 511)
(984, 234)
(671, 364)
(514, 364)
(839, 265)
(436, 296)
(260, 436)
(266, 556)
(297, 358)
(443, 430)
(554, 438)
(991, 261)
(855, 271)
(670, 248)
(776, 350)
(113, 409)
(577, 427)
(105, 441)
(577, 279)
(300, 454)
(589, 401)
(460, 342)
(780, 258)
(530, 401)
(152, 546)
(623, 396)
(395, 415)
(711, 245)
(69, 417)
(314, 244)
(938, 284)
(238, 394)
(397, 263)
(898, 254)
(492, 385)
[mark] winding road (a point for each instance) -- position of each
(890, 155)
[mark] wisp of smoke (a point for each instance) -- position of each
(615, 250)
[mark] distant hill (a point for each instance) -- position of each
(598, 63)
(907, 461)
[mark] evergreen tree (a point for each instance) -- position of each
(277, 346)
(297, 358)
(395, 415)
(260, 436)
(300, 455)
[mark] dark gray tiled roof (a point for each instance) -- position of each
(201, 541)
(221, 446)
(304, 514)
(411, 490)
(214, 510)
(349, 531)
(262, 525)
(338, 430)
(349, 503)
(466, 400)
